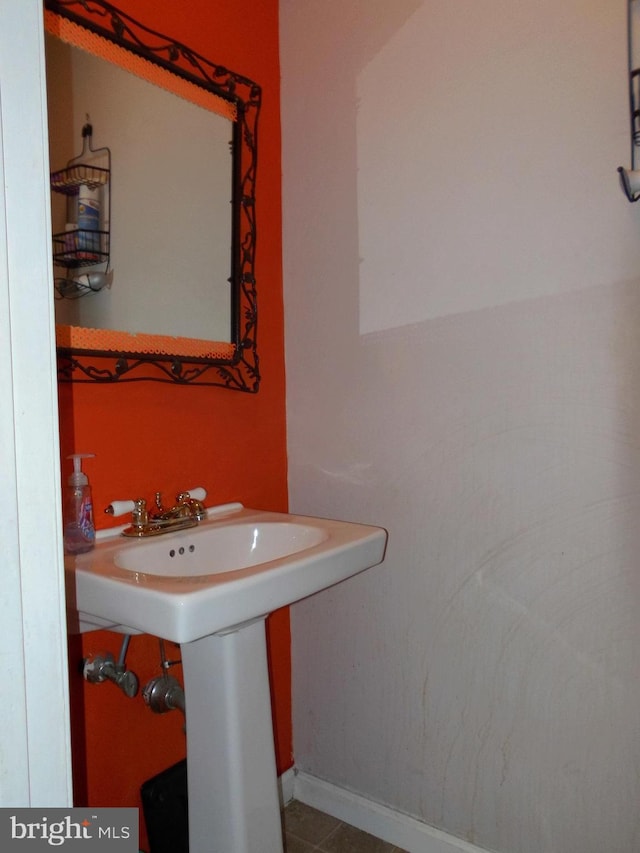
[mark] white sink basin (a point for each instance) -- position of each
(237, 565)
(235, 546)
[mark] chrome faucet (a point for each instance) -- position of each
(188, 511)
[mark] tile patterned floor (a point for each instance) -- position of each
(307, 829)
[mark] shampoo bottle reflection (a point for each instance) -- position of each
(77, 509)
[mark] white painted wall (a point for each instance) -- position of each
(462, 297)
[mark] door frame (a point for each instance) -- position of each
(35, 736)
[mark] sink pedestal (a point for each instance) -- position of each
(231, 769)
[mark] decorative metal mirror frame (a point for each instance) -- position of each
(241, 371)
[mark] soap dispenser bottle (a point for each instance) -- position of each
(77, 511)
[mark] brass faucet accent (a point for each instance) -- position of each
(186, 512)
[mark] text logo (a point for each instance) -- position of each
(36, 829)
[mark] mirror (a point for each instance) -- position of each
(169, 200)
(180, 305)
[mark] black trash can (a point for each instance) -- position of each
(165, 809)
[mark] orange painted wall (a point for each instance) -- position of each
(149, 436)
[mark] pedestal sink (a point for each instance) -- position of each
(210, 588)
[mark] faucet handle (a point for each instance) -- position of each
(137, 508)
(116, 508)
(197, 494)
(193, 499)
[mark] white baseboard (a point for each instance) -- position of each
(286, 784)
(383, 822)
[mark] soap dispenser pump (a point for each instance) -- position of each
(79, 532)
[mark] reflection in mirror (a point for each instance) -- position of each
(181, 302)
(170, 222)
